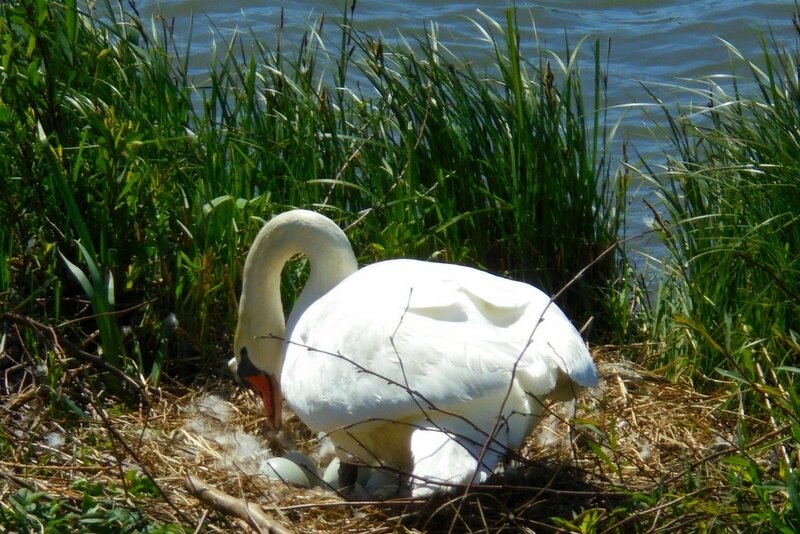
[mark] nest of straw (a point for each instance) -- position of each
(635, 433)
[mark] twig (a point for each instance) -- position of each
(229, 505)
(199, 528)
(58, 468)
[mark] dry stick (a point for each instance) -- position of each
(657, 508)
(490, 437)
(405, 376)
(339, 174)
(785, 395)
(107, 313)
(401, 502)
(780, 447)
(57, 468)
(19, 481)
(22, 398)
(199, 528)
(229, 505)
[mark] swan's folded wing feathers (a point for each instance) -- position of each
(503, 324)
(437, 338)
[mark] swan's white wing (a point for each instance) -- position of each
(448, 334)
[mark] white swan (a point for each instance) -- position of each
(434, 369)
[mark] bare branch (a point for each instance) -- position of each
(249, 512)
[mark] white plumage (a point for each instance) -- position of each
(434, 369)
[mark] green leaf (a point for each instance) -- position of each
(91, 264)
(79, 275)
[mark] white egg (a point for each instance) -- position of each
(285, 470)
(307, 465)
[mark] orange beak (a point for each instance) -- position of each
(266, 386)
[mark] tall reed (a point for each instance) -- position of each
(512, 169)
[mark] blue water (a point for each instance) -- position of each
(653, 43)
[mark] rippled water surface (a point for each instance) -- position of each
(652, 42)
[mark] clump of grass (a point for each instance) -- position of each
(729, 307)
(734, 231)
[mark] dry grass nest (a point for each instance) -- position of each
(634, 435)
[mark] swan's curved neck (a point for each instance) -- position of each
(331, 260)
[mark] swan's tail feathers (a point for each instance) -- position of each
(442, 459)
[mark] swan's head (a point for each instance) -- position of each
(258, 359)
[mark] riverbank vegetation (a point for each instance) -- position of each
(131, 192)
